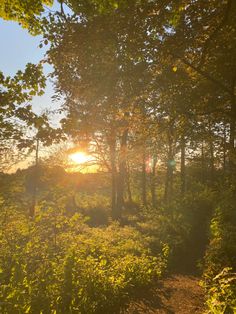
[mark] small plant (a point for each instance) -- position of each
(221, 292)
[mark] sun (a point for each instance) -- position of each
(82, 162)
(80, 158)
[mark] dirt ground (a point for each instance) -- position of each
(177, 294)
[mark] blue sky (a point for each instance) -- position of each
(18, 48)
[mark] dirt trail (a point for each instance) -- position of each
(177, 294)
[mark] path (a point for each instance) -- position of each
(177, 294)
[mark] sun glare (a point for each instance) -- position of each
(80, 158)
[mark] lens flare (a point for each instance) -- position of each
(80, 158)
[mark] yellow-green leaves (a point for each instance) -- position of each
(24, 12)
(174, 68)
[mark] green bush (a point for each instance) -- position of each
(221, 292)
(58, 264)
(220, 258)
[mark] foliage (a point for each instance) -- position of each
(166, 227)
(20, 126)
(219, 270)
(15, 94)
(222, 248)
(149, 87)
(58, 264)
(24, 12)
(221, 292)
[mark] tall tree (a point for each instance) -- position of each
(16, 112)
(26, 12)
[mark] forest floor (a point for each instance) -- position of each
(177, 294)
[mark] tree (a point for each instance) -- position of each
(16, 93)
(24, 12)
(101, 88)
(203, 39)
(16, 112)
(113, 57)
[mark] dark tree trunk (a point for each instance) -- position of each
(203, 163)
(35, 182)
(224, 152)
(144, 180)
(129, 193)
(169, 182)
(169, 171)
(121, 175)
(182, 166)
(232, 132)
(212, 162)
(153, 182)
(112, 144)
(212, 158)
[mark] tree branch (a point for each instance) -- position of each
(214, 34)
(202, 73)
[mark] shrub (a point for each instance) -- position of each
(58, 264)
(221, 292)
(220, 263)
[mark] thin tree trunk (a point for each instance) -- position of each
(122, 174)
(182, 166)
(224, 152)
(171, 174)
(35, 182)
(169, 171)
(212, 164)
(212, 159)
(232, 131)
(129, 193)
(202, 163)
(153, 181)
(144, 180)
(112, 144)
(169, 181)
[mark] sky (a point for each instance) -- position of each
(18, 48)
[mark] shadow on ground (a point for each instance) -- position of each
(177, 294)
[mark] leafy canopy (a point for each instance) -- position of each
(25, 12)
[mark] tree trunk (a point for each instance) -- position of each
(35, 182)
(182, 166)
(224, 152)
(169, 171)
(212, 164)
(121, 175)
(202, 163)
(144, 180)
(232, 132)
(112, 144)
(153, 181)
(130, 199)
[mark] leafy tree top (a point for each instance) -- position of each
(25, 12)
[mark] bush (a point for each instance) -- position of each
(220, 266)
(184, 225)
(221, 292)
(58, 264)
